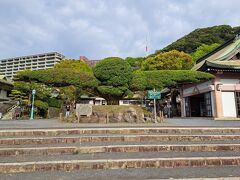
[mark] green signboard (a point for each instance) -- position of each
(154, 95)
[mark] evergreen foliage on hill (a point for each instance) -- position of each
(210, 35)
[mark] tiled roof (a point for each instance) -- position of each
(5, 82)
(221, 57)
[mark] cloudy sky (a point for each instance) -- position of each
(102, 28)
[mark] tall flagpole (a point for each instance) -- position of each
(146, 48)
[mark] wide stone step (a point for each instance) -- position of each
(110, 143)
(112, 135)
(71, 165)
(118, 148)
(114, 138)
(116, 155)
(120, 130)
(180, 173)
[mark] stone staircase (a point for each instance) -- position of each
(118, 148)
(8, 109)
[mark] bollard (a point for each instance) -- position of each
(161, 116)
(107, 118)
(78, 117)
(60, 116)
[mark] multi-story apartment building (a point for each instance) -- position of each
(9, 67)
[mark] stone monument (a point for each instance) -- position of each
(83, 110)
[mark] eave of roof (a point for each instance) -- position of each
(216, 50)
(6, 82)
(224, 64)
(219, 58)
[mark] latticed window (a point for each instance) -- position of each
(208, 104)
(187, 107)
(238, 103)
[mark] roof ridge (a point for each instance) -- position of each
(218, 48)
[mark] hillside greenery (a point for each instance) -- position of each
(203, 50)
(209, 35)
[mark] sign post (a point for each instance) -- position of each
(155, 109)
(154, 95)
(33, 98)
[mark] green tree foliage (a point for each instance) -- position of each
(74, 64)
(146, 80)
(172, 60)
(135, 62)
(43, 91)
(59, 77)
(68, 93)
(203, 50)
(19, 96)
(65, 74)
(70, 77)
(27, 87)
(210, 35)
(52, 102)
(115, 76)
(42, 107)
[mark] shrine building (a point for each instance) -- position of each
(219, 97)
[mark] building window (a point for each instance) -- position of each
(125, 102)
(187, 107)
(208, 104)
(238, 103)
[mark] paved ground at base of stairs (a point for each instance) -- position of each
(54, 123)
(161, 173)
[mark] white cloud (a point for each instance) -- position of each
(101, 28)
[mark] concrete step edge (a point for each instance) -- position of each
(119, 128)
(219, 178)
(117, 148)
(121, 138)
(124, 135)
(119, 164)
(108, 130)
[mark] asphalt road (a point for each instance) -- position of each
(54, 123)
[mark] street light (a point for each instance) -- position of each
(32, 110)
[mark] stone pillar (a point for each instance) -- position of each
(218, 98)
(183, 113)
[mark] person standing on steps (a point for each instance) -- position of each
(68, 107)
